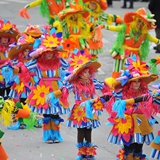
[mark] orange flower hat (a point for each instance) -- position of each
(7, 29)
(78, 62)
(23, 42)
(33, 31)
(141, 13)
(103, 4)
(48, 42)
(76, 6)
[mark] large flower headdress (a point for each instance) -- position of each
(8, 29)
(48, 42)
(135, 69)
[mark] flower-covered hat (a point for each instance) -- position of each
(102, 3)
(73, 7)
(141, 13)
(135, 70)
(78, 62)
(47, 42)
(23, 42)
(7, 29)
(33, 31)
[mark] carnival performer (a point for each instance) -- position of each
(48, 9)
(74, 27)
(8, 34)
(133, 38)
(98, 16)
(49, 68)
(132, 125)
(81, 80)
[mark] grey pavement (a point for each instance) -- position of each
(27, 145)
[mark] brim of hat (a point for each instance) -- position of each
(103, 5)
(14, 51)
(46, 50)
(128, 18)
(93, 65)
(146, 78)
(69, 11)
(36, 35)
(7, 34)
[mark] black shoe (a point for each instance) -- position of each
(123, 7)
(130, 8)
(157, 51)
(155, 47)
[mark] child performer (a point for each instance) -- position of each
(132, 125)
(133, 38)
(98, 16)
(8, 34)
(83, 84)
(49, 68)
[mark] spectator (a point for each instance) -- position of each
(154, 7)
(109, 3)
(125, 4)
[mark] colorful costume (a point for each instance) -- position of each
(48, 8)
(3, 154)
(8, 34)
(155, 153)
(132, 122)
(98, 16)
(82, 117)
(132, 40)
(74, 27)
(49, 74)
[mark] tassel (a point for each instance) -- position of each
(119, 107)
(64, 96)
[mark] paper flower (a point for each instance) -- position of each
(38, 96)
(78, 116)
(51, 41)
(91, 151)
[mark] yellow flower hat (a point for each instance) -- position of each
(33, 31)
(7, 29)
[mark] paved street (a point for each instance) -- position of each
(27, 145)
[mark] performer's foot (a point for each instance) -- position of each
(49, 141)
(56, 141)
(123, 7)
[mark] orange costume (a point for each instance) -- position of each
(48, 8)
(132, 40)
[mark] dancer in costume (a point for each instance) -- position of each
(98, 16)
(82, 82)
(132, 124)
(48, 9)
(49, 68)
(133, 38)
(8, 34)
(74, 27)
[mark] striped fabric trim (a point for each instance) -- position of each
(138, 138)
(114, 139)
(155, 154)
(54, 110)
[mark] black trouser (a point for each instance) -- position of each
(125, 3)
(51, 115)
(83, 134)
(134, 148)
